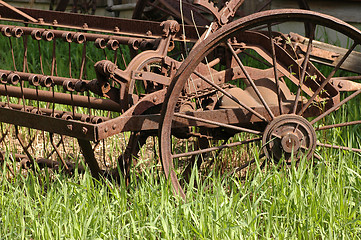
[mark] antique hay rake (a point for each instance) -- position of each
(239, 84)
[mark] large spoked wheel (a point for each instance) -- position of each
(268, 90)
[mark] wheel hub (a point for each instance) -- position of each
(290, 142)
(289, 136)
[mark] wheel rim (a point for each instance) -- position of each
(305, 100)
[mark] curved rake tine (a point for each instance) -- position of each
(115, 56)
(12, 53)
(69, 59)
(103, 157)
(2, 161)
(58, 152)
(25, 57)
(53, 150)
(40, 59)
(123, 58)
(53, 61)
(83, 61)
(3, 135)
(32, 139)
(22, 144)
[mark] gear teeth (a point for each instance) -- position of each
(210, 6)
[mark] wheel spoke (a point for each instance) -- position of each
(322, 86)
(336, 106)
(257, 59)
(187, 154)
(230, 96)
(304, 68)
(242, 59)
(338, 125)
(264, 6)
(250, 80)
(241, 129)
(339, 147)
(275, 71)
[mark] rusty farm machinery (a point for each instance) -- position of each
(203, 91)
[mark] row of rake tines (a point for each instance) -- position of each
(49, 94)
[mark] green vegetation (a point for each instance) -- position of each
(316, 200)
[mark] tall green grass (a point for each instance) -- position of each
(317, 200)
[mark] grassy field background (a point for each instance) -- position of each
(319, 199)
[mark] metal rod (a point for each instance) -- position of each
(250, 80)
(304, 67)
(336, 106)
(28, 17)
(57, 151)
(275, 71)
(337, 125)
(217, 123)
(338, 147)
(61, 98)
(230, 96)
(321, 87)
(215, 148)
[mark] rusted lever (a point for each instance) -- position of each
(223, 15)
(229, 10)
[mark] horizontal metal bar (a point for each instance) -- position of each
(116, 26)
(49, 124)
(61, 98)
(71, 35)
